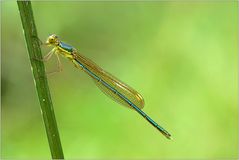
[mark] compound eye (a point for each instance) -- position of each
(51, 39)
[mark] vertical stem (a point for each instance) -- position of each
(39, 75)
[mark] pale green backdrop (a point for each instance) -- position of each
(181, 56)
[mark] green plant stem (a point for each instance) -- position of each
(39, 75)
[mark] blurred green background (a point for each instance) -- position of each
(182, 57)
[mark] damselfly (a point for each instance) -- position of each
(110, 85)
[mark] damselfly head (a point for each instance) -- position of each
(52, 40)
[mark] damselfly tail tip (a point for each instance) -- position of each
(167, 135)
